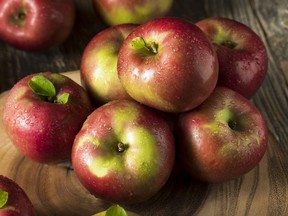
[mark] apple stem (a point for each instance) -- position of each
(121, 147)
(232, 124)
(229, 44)
(19, 18)
(50, 99)
(154, 48)
(147, 49)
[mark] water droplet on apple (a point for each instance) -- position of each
(28, 121)
(175, 49)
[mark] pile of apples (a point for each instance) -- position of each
(198, 78)
(152, 93)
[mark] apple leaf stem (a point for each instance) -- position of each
(3, 198)
(42, 86)
(144, 48)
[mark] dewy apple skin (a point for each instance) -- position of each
(36, 25)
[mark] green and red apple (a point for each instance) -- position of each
(168, 64)
(242, 55)
(42, 115)
(98, 67)
(36, 24)
(223, 138)
(124, 152)
(13, 199)
(115, 12)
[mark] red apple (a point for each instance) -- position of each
(36, 24)
(99, 64)
(168, 64)
(42, 115)
(116, 12)
(222, 139)
(124, 152)
(242, 56)
(13, 199)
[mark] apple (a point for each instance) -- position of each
(168, 64)
(115, 12)
(43, 113)
(242, 55)
(124, 152)
(98, 67)
(222, 139)
(36, 24)
(13, 199)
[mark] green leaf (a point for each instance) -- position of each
(138, 43)
(42, 86)
(63, 99)
(3, 198)
(114, 210)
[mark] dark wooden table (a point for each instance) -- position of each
(263, 191)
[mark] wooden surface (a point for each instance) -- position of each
(54, 190)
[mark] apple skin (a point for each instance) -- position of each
(124, 152)
(242, 55)
(115, 12)
(98, 68)
(41, 130)
(18, 203)
(223, 138)
(179, 71)
(36, 25)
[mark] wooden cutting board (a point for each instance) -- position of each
(54, 189)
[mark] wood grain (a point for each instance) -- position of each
(261, 192)
(55, 190)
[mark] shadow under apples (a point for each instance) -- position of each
(174, 193)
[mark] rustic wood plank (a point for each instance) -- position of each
(260, 192)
